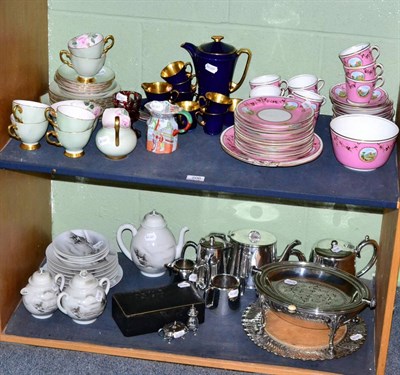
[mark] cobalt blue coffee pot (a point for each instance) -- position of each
(215, 63)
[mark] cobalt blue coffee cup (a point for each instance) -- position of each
(212, 123)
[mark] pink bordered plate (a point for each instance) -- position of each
(227, 140)
(273, 110)
(338, 94)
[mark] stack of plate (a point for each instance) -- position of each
(379, 105)
(272, 131)
(68, 86)
(77, 250)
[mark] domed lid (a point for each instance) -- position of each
(41, 277)
(211, 243)
(252, 237)
(154, 220)
(84, 280)
(332, 248)
(217, 47)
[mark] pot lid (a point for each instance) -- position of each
(41, 277)
(211, 243)
(84, 280)
(252, 237)
(154, 219)
(217, 47)
(333, 248)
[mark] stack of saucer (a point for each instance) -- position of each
(77, 250)
(379, 105)
(273, 131)
(83, 75)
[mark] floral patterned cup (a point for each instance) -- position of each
(359, 55)
(364, 72)
(90, 45)
(361, 91)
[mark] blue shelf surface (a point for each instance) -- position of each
(219, 337)
(199, 154)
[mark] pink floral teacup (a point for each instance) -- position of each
(361, 91)
(359, 55)
(90, 45)
(364, 72)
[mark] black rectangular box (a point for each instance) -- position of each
(148, 310)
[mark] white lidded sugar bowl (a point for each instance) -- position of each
(84, 299)
(39, 296)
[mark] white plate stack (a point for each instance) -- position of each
(68, 86)
(80, 249)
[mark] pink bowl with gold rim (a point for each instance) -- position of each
(363, 142)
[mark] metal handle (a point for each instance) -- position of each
(367, 241)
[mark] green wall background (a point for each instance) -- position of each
(287, 37)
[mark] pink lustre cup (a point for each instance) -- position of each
(364, 72)
(360, 92)
(359, 55)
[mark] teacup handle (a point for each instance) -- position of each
(12, 131)
(379, 69)
(106, 40)
(174, 95)
(188, 64)
(194, 85)
(52, 133)
(67, 58)
(320, 84)
(203, 102)
(17, 108)
(200, 122)
(50, 115)
(376, 49)
(188, 124)
(381, 81)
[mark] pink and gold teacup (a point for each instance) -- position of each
(359, 55)
(364, 72)
(360, 92)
